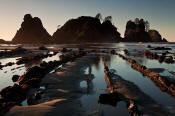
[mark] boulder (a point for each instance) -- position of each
(110, 99)
(13, 93)
(15, 78)
(31, 83)
(169, 59)
(42, 48)
(34, 72)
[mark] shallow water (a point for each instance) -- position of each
(124, 69)
(98, 85)
(7, 72)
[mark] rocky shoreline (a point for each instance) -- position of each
(14, 95)
(49, 88)
(61, 93)
(165, 84)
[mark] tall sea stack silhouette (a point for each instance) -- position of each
(135, 32)
(86, 29)
(138, 31)
(32, 32)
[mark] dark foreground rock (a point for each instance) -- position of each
(114, 96)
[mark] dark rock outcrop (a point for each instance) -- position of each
(135, 32)
(32, 32)
(2, 41)
(16, 51)
(164, 83)
(86, 29)
(156, 37)
(138, 32)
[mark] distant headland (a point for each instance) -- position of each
(84, 29)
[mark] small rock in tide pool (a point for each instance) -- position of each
(110, 99)
(169, 59)
(161, 48)
(64, 50)
(42, 48)
(112, 52)
(149, 46)
(15, 78)
(133, 109)
(126, 51)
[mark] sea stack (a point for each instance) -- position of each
(32, 32)
(86, 29)
(156, 37)
(138, 31)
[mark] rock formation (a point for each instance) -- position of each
(32, 31)
(3, 41)
(138, 31)
(156, 37)
(86, 29)
(135, 32)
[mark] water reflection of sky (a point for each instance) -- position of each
(89, 101)
(7, 72)
(123, 69)
(144, 83)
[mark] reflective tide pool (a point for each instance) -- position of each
(153, 95)
(134, 86)
(6, 73)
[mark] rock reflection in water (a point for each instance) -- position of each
(96, 87)
(127, 91)
(87, 84)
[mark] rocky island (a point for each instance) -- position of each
(138, 31)
(87, 29)
(31, 32)
(84, 29)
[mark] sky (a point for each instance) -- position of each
(160, 13)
